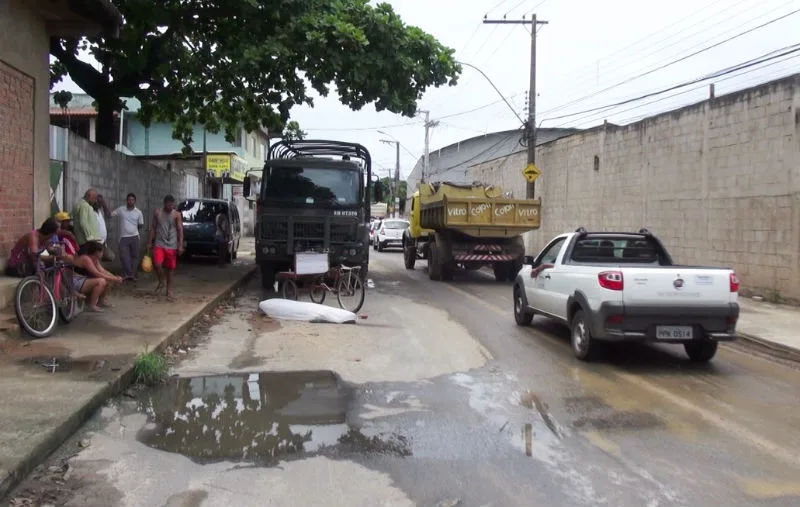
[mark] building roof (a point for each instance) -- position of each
(73, 18)
(450, 163)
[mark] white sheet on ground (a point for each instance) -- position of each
(287, 309)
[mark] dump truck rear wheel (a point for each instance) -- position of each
(501, 272)
(434, 267)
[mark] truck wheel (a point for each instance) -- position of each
(409, 256)
(501, 272)
(522, 315)
(434, 268)
(268, 277)
(583, 345)
(448, 270)
(701, 351)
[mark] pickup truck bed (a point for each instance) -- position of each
(624, 286)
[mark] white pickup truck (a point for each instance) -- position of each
(609, 286)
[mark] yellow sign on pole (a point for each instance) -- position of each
(531, 172)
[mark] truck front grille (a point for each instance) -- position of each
(278, 229)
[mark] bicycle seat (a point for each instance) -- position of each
(348, 268)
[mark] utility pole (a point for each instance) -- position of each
(396, 180)
(426, 167)
(531, 126)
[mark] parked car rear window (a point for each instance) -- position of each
(618, 250)
(197, 211)
(395, 224)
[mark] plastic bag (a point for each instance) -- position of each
(308, 312)
(147, 264)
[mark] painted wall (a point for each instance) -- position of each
(162, 143)
(718, 182)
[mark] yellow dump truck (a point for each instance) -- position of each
(468, 226)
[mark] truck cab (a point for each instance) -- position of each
(314, 196)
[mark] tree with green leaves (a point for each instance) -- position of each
(293, 132)
(226, 63)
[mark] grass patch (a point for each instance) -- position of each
(149, 368)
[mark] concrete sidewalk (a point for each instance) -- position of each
(95, 353)
(770, 326)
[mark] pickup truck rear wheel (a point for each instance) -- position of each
(522, 314)
(583, 345)
(701, 351)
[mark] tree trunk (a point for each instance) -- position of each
(106, 135)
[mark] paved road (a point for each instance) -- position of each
(437, 398)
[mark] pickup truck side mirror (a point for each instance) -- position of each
(377, 193)
(528, 260)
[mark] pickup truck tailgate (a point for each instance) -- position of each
(674, 285)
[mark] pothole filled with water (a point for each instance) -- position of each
(258, 417)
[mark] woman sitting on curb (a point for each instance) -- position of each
(22, 260)
(90, 279)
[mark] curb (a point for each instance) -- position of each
(58, 435)
(766, 347)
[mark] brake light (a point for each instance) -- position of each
(614, 319)
(611, 280)
(734, 282)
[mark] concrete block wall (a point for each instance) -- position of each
(114, 175)
(718, 182)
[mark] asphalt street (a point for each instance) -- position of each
(438, 398)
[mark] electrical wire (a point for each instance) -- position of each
(495, 146)
(706, 41)
(673, 62)
(722, 72)
(758, 80)
(620, 64)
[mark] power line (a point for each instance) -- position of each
(702, 87)
(723, 72)
(707, 48)
(490, 104)
(624, 62)
(495, 146)
(359, 129)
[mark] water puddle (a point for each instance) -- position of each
(258, 417)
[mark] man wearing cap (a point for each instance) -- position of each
(65, 234)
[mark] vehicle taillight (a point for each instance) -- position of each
(611, 280)
(734, 282)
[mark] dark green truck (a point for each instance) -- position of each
(314, 196)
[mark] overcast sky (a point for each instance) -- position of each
(587, 48)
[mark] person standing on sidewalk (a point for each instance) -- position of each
(166, 241)
(85, 219)
(131, 221)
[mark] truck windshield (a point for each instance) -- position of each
(313, 185)
(611, 249)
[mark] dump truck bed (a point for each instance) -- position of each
(476, 210)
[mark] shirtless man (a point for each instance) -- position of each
(166, 243)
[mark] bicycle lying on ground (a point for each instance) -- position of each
(343, 281)
(44, 297)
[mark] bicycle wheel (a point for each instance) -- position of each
(317, 292)
(67, 308)
(289, 289)
(350, 292)
(35, 307)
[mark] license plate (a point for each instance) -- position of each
(673, 332)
